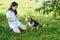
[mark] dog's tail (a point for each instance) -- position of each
(42, 25)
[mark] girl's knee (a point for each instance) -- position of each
(16, 30)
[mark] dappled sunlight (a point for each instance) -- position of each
(24, 6)
(27, 8)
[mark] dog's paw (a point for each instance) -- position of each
(25, 25)
(37, 28)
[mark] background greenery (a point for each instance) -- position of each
(30, 8)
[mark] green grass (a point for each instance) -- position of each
(50, 32)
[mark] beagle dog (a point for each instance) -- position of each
(32, 23)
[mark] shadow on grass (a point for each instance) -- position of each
(1, 29)
(5, 34)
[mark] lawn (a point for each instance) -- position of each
(26, 8)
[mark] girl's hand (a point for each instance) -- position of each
(10, 20)
(19, 18)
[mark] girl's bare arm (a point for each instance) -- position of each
(9, 19)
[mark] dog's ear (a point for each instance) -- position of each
(28, 18)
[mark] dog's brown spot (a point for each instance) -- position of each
(28, 19)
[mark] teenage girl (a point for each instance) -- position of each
(13, 20)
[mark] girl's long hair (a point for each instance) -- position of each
(10, 8)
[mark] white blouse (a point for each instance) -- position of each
(15, 22)
(10, 14)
